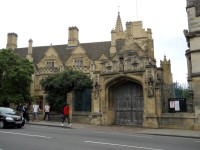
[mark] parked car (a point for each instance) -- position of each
(9, 118)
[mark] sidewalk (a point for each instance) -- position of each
(128, 129)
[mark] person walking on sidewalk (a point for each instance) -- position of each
(19, 109)
(66, 114)
(25, 112)
(35, 111)
(47, 112)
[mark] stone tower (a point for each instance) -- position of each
(73, 36)
(193, 53)
(167, 75)
(11, 41)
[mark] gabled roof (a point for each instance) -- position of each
(64, 51)
(93, 50)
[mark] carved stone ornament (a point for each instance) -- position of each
(150, 83)
(96, 89)
(150, 87)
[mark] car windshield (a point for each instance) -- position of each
(7, 111)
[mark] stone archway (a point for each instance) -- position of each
(126, 98)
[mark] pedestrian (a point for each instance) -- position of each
(19, 109)
(47, 112)
(25, 112)
(35, 111)
(66, 114)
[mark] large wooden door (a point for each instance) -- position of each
(128, 100)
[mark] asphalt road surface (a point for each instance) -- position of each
(33, 137)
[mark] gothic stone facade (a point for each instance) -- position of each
(128, 86)
(193, 55)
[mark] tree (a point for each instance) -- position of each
(15, 78)
(181, 91)
(58, 85)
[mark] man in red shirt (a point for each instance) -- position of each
(66, 113)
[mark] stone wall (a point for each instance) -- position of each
(177, 120)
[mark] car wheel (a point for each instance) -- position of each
(2, 124)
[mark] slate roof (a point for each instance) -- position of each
(93, 51)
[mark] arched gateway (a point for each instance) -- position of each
(126, 98)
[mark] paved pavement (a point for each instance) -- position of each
(128, 129)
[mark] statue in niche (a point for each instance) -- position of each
(121, 66)
(121, 63)
(150, 87)
(96, 86)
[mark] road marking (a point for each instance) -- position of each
(64, 129)
(196, 141)
(26, 134)
(131, 146)
(124, 134)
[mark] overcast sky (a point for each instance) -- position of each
(46, 22)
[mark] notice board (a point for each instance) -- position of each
(177, 105)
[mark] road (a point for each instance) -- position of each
(32, 137)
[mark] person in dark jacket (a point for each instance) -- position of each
(66, 114)
(25, 112)
(19, 109)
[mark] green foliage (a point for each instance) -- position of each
(15, 78)
(58, 85)
(57, 101)
(181, 91)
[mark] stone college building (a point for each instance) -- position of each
(128, 87)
